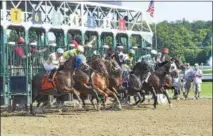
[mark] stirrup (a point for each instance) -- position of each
(56, 90)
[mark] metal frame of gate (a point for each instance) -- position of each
(64, 17)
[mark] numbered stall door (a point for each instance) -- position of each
(17, 72)
(16, 15)
(36, 17)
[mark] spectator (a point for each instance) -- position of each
(176, 84)
(197, 80)
(187, 79)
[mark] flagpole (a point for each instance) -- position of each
(156, 37)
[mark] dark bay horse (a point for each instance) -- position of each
(155, 81)
(63, 83)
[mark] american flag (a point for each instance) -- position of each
(151, 8)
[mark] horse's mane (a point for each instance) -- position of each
(69, 63)
(143, 66)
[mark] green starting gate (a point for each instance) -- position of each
(34, 20)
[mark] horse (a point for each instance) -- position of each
(155, 81)
(63, 82)
(100, 79)
(83, 83)
(115, 75)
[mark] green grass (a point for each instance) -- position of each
(206, 90)
(207, 72)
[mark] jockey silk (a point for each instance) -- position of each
(70, 53)
(79, 59)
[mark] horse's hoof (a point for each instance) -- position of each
(60, 111)
(119, 107)
(98, 107)
(80, 106)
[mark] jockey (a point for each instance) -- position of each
(164, 52)
(110, 54)
(153, 59)
(153, 55)
(119, 55)
(53, 63)
(130, 56)
(104, 52)
(76, 42)
(74, 52)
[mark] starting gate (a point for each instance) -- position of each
(35, 20)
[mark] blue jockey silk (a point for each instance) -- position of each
(79, 59)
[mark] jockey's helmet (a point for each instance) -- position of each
(154, 52)
(33, 44)
(106, 47)
(60, 51)
(20, 40)
(165, 50)
(80, 48)
(131, 51)
(95, 52)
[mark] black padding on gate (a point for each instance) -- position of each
(1, 85)
(2, 100)
(18, 84)
(20, 99)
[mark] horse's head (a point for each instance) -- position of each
(178, 62)
(172, 66)
(99, 65)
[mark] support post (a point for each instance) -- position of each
(83, 37)
(28, 67)
(65, 38)
(99, 41)
(114, 40)
(4, 69)
(129, 42)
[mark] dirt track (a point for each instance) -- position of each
(187, 117)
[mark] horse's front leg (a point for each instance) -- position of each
(101, 92)
(167, 96)
(76, 93)
(154, 95)
(95, 94)
(115, 96)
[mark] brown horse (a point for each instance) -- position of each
(63, 83)
(100, 80)
(83, 83)
(115, 75)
